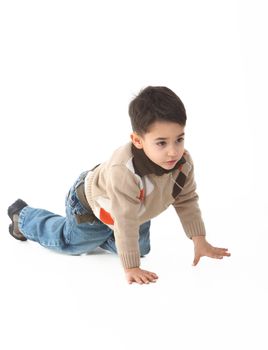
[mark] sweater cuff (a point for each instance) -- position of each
(195, 228)
(130, 260)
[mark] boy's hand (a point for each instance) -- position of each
(203, 248)
(140, 276)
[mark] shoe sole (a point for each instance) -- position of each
(22, 238)
(15, 208)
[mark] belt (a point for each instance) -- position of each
(80, 191)
(89, 217)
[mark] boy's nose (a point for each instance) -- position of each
(172, 152)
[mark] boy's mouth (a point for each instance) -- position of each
(171, 162)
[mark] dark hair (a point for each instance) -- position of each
(155, 103)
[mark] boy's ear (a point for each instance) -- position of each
(136, 140)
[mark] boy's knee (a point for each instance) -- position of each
(144, 251)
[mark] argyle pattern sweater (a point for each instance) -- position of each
(129, 189)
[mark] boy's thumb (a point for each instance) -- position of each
(196, 260)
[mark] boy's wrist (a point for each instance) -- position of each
(199, 238)
(127, 269)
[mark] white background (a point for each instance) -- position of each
(68, 72)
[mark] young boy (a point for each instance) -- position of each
(111, 205)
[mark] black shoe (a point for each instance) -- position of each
(13, 213)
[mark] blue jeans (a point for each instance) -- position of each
(66, 235)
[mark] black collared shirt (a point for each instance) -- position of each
(145, 166)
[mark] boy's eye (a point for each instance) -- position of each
(161, 143)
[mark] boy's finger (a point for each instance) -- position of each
(222, 251)
(138, 280)
(152, 279)
(144, 279)
(153, 276)
(196, 260)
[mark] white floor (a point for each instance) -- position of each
(67, 302)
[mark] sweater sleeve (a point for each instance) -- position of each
(187, 207)
(123, 190)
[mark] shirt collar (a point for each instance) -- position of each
(144, 166)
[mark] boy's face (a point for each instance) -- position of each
(163, 143)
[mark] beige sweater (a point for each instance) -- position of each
(129, 189)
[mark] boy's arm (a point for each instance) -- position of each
(187, 207)
(124, 192)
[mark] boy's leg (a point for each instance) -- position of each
(42, 226)
(60, 233)
(144, 240)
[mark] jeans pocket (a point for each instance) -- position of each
(81, 214)
(76, 206)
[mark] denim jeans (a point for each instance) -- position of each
(65, 235)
